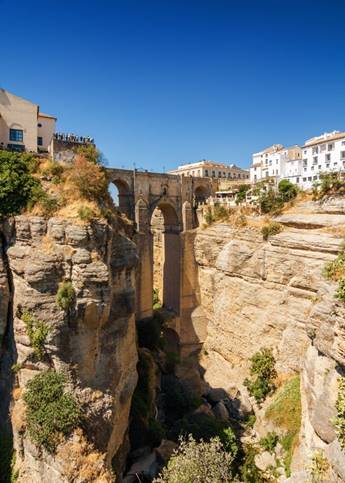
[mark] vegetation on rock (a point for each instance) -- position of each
(271, 229)
(37, 331)
(156, 303)
(65, 295)
(198, 461)
(319, 468)
(339, 420)
(269, 442)
(8, 474)
(263, 371)
(52, 412)
(285, 412)
(89, 179)
(242, 190)
(273, 202)
(86, 214)
(331, 184)
(335, 270)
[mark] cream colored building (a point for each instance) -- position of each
(211, 169)
(22, 126)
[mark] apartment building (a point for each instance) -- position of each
(301, 165)
(22, 126)
(322, 154)
(211, 169)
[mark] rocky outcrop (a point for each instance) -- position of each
(256, 293)
(93, 341)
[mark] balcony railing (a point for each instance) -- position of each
(73, 138)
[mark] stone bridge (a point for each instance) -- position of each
(140, 193)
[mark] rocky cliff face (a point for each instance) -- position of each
(94, 341)
(257, 293)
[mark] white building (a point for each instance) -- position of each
(211, 169)
(301, 165)
(266, 163)
(322, 154)
(22, 126)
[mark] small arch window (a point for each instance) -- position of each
(39, 124)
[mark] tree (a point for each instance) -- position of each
(17, 185)
(287, 189)
(198, 462)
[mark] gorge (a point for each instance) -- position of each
(227, 293)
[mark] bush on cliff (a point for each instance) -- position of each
(17, 185)
(51, 412)
(37, 331)
(65, 295)
(271, 229)
(198, 461)
(262, 368)
(89, 179)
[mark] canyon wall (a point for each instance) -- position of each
(256, 293)
(93, 342)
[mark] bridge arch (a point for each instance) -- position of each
(124, 195)
(201, 193)
(166, 253)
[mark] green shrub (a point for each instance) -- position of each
(250, 473)
(271, 229)
(37, 331)
(209, 218)
(241, 195)
(250, 421)
(86, 214)
(15, 368)
(156, 302)
(285, 412)
(51, 412)
(262, 366)
(65, 295)
(340, 293)
(53, 168)
(269, 442)
(287, 189)
(198, 462)
(271, 202)
(339, 420)
(17, 185)
(331, 183)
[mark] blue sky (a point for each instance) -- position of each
(160, 83)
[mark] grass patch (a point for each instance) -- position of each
(52, 412)
(285, 412)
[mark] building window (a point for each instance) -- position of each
(328, 157)
(327, 165)
(322, 148)
(39, 141)
(315, 149)
(16, 147)
(16, 135)
(309, 178)
(305, 162)
(213, 173)
(315, 160)
(331, 147)
(297, 180)
(206, 172)
(304, 179)
(342, 154)
(39, 125)
(343, 143)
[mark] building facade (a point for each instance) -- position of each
(211, 169)
(322, 154)
(22, 126)
(304, 165)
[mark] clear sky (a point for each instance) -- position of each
(164, 82)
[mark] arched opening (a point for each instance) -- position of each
(165, 257)
(120, 193)
(201, 193)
